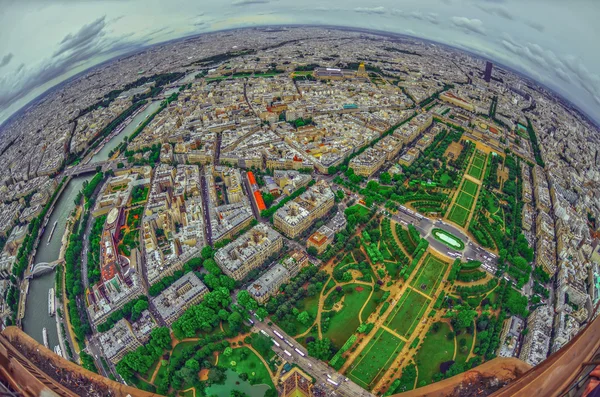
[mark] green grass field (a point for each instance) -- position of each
(407, 313)
(430, 275)
(362, 210)
(469, 187)
(371, 305)
(435, 350)
(475, 172)
(344, 323)
(465, 200)
(463, 353)
(458, 215)
(180, 347)
(257, 372)
(375, 359)
(310, 304)
(479, 160)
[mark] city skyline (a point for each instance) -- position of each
(89, 33)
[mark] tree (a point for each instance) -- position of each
(320, 349)
(462, 316)
(138, 308)
(261, 313)
(385, 178)
(207, 252)
(193, 364)
(228, 352)
(246, 301)
(304, 317)
(312, 251)
(217, 376)
(235, 321)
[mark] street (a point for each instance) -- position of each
(323, 374)
(472, 250)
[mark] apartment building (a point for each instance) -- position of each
(249, 251)
(368, 162)
(177, 298)
(297, 215)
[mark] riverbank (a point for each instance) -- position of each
(65, 301)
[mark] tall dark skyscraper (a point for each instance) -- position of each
(488, 71)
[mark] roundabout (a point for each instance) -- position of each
(448, 239)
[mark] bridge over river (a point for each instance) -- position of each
(43, 268)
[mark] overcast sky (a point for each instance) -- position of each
(44, 42)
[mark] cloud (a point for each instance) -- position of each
(6, 59)
(427, 17)
(499, 11)
(86, 35)
(535, 25)
(569, 68)
(248, 2)
(470, 25)
(370, 10)
(90, 42)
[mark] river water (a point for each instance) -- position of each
(102, 155)
(234, 382)
(36, 308)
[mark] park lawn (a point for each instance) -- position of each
(465, 200)
(310, 304)
(252, 365)
(347, 260)
(330, 284)
(406, 314)
(387, 255)
(375, 359)
(150, 372)
(458, 215)
(371, 305)
(343, 324)
(162, 372)
(461, 357)
(392, 268)
(313, 333)
(444, 179)
(489, 203)
(362, 210)
(435, 350)
(430, 274)
(469, 187)
(143, 385)
(178, 349)
(475, 172)
(478, 160)
(187, 393)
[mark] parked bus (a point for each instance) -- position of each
(332, 382)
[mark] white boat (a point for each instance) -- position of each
(45, 336)
(51, 302)
(52, 232)
(58, 350)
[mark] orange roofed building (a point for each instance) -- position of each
(321, 238)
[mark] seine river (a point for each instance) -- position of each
(36, 309)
